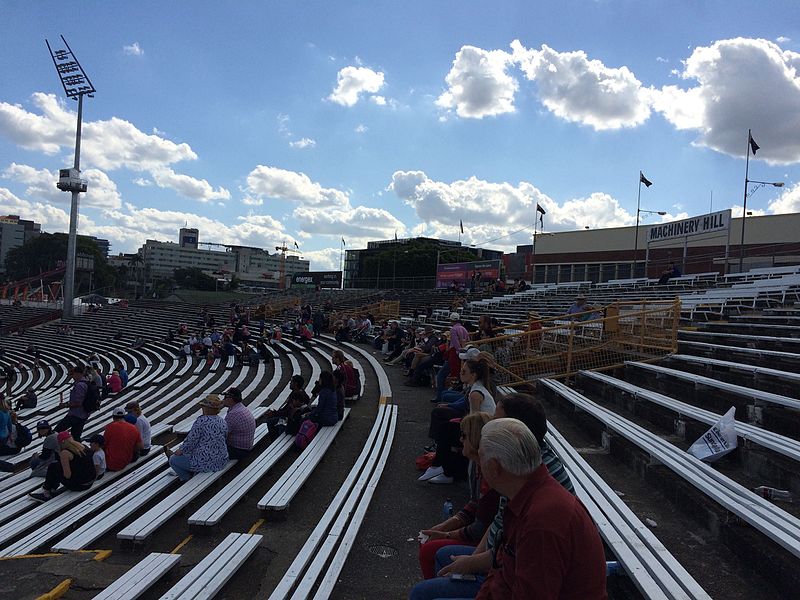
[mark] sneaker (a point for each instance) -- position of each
(441, 478)
(40, 496)
(431, 473)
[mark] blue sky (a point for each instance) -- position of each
(260, 122)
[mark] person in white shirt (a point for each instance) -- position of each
(98, 442)
(142, 424)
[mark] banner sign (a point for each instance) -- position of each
(323, 279)
(461, 274)
(710, 223)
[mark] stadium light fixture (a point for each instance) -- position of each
(746, 213)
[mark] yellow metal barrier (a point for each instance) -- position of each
(604, 338)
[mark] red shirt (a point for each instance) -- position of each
(121, 439)
(550, 548)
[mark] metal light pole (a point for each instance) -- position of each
(648, 183)
(76, 84)
(745, 213)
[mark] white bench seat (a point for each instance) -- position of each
(281, 493)
(209, 576)
(143, 527)
(141, 577)
(736, 366)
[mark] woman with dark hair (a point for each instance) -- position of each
(345, 367)
(74, 469)
(325, 412)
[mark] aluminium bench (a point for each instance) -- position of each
(141, 577)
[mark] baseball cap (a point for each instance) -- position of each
(63, 436)
(469, 354)
(235, 393)
(454, 316)
(118, 412)
(43, 424)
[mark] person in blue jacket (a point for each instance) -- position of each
(325, 413)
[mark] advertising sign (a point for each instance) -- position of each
(323, 279)
(710, 223)
(461, 274)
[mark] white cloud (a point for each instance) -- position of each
(478, 85)
(133, 49)
(741, 83)
(187, 186)
(279, 184)
(46, 132)
(788, 202)
(142, 182)
(41, 185)
(52, 218)
(357, 225)
(379, 100)
(661, 59)
(283, 124)
(782, 39)
(361, 128)
(327, 259)
(352, 82)
(586, 91)
(303, 143)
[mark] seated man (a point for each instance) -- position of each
(123, 441)
(142, 424)
(582, 309)
(541, 519)
(241, 424)
(291, 411)
(668, 273)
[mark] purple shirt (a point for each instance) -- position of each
(76, 396)
(241, 427)
(458, 337)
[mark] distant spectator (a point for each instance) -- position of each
(76, 415)
(123, 441)
(241, 424)
(114, 382)
(338, 382)
(668, 273)
(291, 411)
(123, 374)
(582, 309)
(142, 424)
(204, 450)
(49, 453)
(325, 413)
(351, 384)
(6, 426)
(74, 469)
(97, 443)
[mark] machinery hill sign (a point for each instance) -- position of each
(710, 223)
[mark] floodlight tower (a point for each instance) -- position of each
(76, 85)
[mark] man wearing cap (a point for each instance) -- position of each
(241, 424)
(76, 415)
(122, 441)
(142, 424)
(39, 462)
(204, 450)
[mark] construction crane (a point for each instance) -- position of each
(283, 250)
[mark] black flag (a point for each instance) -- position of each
(343, 243)
(461, 224)
(395, 235)
(540, 209)
(296, 246)
(752, 142)
(644, 180)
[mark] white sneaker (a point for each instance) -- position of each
(441, 478)
(431, 473)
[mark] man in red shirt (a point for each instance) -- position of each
(549, 548)
(123, 441)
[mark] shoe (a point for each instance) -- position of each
(168, 452)
(441, 478)
(430, 448)
(40, 496)
(431, 473)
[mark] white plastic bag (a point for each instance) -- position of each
(717, 441)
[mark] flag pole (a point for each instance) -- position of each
(636, 238)
(744, 203)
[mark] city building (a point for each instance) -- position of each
(408, 262)
(14, 232)
(102, 244)
(599, 255)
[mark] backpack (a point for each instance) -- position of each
(24, 436)
(307, 432)
(91, 401)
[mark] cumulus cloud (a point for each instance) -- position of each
(51, 217)
(133, 49)
(327, 259)
(357, 224)
(787, 202)
(782, 39)
(41, 185)
(503, 210)
(303, 143)
(352, 82)
(361, 128)
(581, 90)
(187, 186)
(279, 184)
(478, 85)
(741, 83)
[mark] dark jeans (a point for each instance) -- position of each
(55, 477)
(446, 435)
(236, 453)
(8, 450)
(74, 424)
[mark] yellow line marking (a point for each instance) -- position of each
(255, 526)
(102, 555)
(57, 591)
(177, 548)
(382, 400)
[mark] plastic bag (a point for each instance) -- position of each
(717, 441)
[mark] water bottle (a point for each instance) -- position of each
(447, 509)
(771, 493)
(613, 568)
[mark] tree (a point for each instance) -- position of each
(135, 262)
(194, 279)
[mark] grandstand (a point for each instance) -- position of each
(340, 518)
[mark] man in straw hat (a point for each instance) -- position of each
(204, 450)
